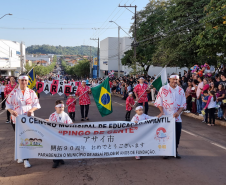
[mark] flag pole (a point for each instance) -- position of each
(83, 94)
(18, 84)
(148, 87)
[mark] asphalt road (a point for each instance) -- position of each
(203, 151)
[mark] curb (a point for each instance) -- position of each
(191, 115)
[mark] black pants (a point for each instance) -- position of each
(189, 105)
(128, 114)
(145, 105)
(211, 115)
(86, 110)
(72, 115)
(3, 97)
(178, 133)
(8, 115)
(13, 125)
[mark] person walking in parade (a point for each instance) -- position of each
(140, 92)
(129, 105)
(84, 100)
(22, 101)
(71, 102)
(8, 88)
(171, 100)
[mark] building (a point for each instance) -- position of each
(109, 54)
(41, 57)
(11, 62)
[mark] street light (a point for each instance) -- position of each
(5, 15)
(118, 47)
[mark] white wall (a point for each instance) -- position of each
(10, 50)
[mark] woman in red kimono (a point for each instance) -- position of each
(8, 89)
(84, 100)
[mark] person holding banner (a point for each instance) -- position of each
(61, 117)
(8, 88)
(22, 101)
(140, 92)
(83, 92)
(171, 100)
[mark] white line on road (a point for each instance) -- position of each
(195, 135)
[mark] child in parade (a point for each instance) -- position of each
(211, 106)
(61, 117)
(129, 105)
(139, 116)
(71, 102)
(204, 101)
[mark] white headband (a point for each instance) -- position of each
(131, 93)
(83, 81)
(139, 107)
(141, 78)
(23, 77)
(174, 76)
(60, 105)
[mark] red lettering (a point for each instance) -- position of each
(95, 132)
(81, 133)
(65, 132)
(131, 130)
(101, 132)
(87, 133)
(74, 133)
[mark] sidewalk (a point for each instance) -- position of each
(217, 122)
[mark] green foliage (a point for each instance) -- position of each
(212, 40)
(150, 22)
(82, 69)
(41, 70)
(61, 50)
(178, 43)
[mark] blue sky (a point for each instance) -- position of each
(77, 14)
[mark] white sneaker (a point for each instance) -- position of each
(20, 161)
(27, 164)
(137, 157)
(200, 115)
(188, 111)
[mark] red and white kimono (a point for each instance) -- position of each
(22, 102)
(140, 89)
(84, 99)
(141, 117)
(8, 89)
(61, 118)
(71, 107)
(129, 100)
(171, 100)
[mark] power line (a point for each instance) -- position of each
(51, 28)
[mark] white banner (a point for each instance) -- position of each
(36, 138)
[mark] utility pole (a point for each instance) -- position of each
(98, 56)
(90, 63)
(119, 51)
(135, 32)
(21, 58)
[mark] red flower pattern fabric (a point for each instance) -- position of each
(8, 89)
(171, 100)
(71, 107)
(84, 99)
(140, 90)
(129, 100)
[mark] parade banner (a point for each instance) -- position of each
(36, 138)
(57, 87)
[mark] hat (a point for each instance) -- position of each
(139, 107)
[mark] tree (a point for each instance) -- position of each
(212, 40)
(150, 22)
(61, 50)
(178, 44)
(82, 69)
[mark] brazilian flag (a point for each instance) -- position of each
(32, 80)
(102, 97)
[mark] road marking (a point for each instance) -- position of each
(208, 140)
(2, 112)
(195, 135)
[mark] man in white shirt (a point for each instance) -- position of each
(171, 101)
